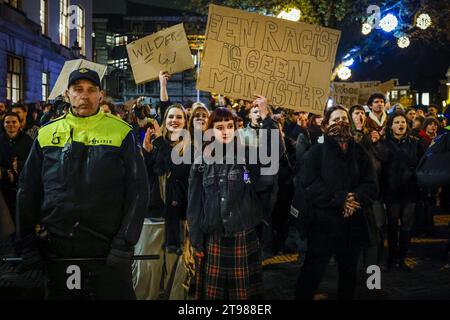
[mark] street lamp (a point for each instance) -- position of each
(76, 50)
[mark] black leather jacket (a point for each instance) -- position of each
(84, 174)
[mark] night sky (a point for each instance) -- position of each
(419, 64)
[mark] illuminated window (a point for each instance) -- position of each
(64, 23)
(425, 98)
(121, 64)
(121, 40)
(394, 94)
(81, 30)
(44, 16)
(14, 79)
(14, 3)
(110, 40)
(45, 86)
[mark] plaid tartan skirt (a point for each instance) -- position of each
(231, 268)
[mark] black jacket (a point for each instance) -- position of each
(84, 174)
(221, 202)
(327, 175)
(18, 147)
(158, 163)
(398, 176)
(225, 199)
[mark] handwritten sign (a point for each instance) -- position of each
(288, 62)
(345, 93)
(367, 88)
(387, 86)
(166, 50)
(70, 66)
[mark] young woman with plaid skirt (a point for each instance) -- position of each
(223, 211)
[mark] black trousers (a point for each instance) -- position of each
(399, 237)
(265, 230)
(321, 248)
(97, 280)
(280, 216)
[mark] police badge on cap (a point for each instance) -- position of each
(86, 74)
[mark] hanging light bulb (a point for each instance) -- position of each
(403, 42)
(389, 22)
(366, 28)
(423, 21)
(344, 73)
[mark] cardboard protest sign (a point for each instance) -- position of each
(366, 88)
(345, 93)
(288, 62)
(72, 65)
(386, 86)
(166, 50)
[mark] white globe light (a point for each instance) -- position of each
(389, 22)
(344, 73)
(423, 21)
(403, 42)
(292, 15)
(366, 28)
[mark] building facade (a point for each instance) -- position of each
(36, 38)
(125, 21)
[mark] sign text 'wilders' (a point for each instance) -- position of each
(288, 62)
(166, 50)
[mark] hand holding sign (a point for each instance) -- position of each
(164, 77)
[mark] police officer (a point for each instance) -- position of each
(82, 197)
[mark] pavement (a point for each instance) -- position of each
(430, 279)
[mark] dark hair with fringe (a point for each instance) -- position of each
(220, 114)
(11, 114)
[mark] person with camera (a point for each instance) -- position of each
(82, 198)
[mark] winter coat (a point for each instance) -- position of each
(327, 175)
(398, 169)
(85, 174)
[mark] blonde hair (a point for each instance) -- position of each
(195, 107)
(166, 134)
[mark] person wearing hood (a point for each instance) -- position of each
(400, 192)
(198, 123)
(429, 131)
(339, 181)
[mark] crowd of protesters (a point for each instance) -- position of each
(346, 182)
